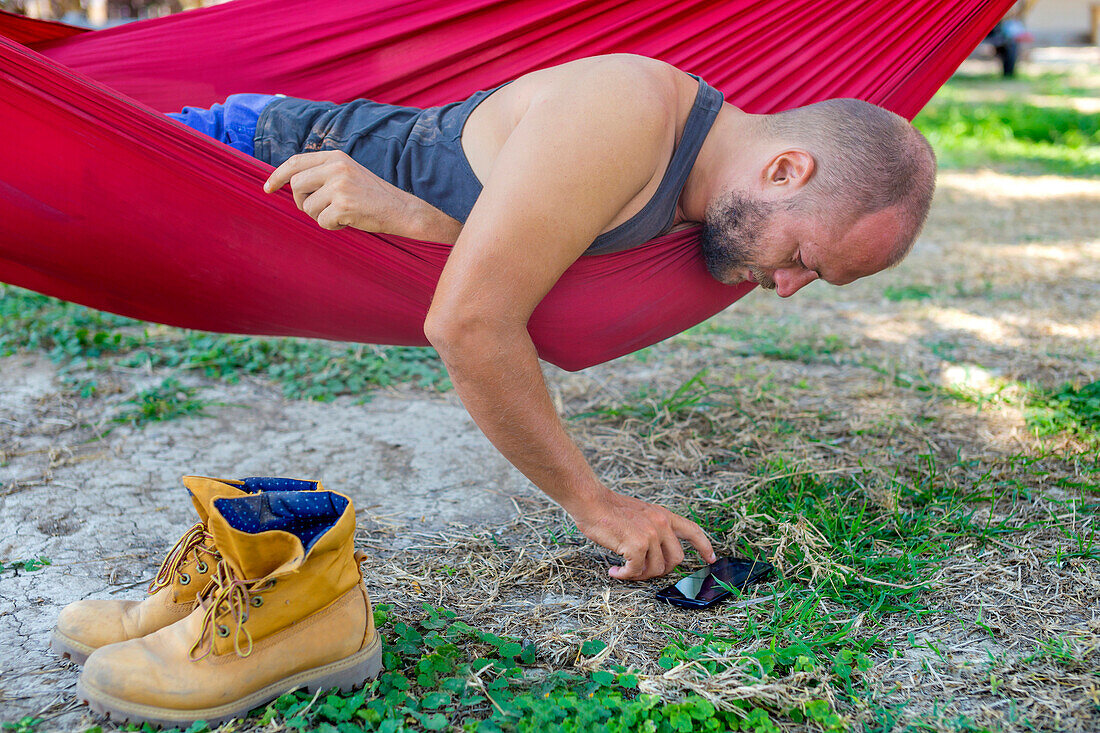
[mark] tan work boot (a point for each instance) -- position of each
(285, 609)
(84, 626)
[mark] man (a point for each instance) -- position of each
(592, 156)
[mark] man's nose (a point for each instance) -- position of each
(789, 281)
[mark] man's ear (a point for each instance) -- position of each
(792, 168)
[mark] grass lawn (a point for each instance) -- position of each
(917, 454)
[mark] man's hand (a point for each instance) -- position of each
(338, 192)
(646, 535)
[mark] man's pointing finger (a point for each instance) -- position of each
(688, 530)
(294, 164)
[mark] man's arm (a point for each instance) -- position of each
(335, 190)
(574, 160)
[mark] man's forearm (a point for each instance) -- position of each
(423, 221)
(497, 375)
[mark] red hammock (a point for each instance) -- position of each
(107, 203)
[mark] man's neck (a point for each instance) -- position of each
(724, 162)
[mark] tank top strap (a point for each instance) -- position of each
(708, 102)
(659, 213)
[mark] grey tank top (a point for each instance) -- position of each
(420, 151)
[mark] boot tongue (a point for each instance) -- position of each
(255, 484)
(271, 532)
(204, 490)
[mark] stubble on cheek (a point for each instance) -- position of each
(731, 233)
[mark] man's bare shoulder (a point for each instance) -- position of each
(652, 81)
(639, 98)
(647, 81)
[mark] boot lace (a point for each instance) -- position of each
(195, 541)
(227, 594)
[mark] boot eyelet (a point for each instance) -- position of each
(184, 578)
(201, 567)
(269, 584)
(223, 630)
(257, 601)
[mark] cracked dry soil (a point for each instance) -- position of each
(105, 508)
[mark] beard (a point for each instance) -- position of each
(732, 226)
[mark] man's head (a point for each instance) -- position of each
(838, 190)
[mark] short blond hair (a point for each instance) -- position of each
(867, 159)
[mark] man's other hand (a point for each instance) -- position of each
(646, 535)
(337, 192)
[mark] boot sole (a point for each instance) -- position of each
(69, 648)
(346, 674)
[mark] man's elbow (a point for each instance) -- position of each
(440, 330)
(453, 334)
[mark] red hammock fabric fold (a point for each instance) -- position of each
(31, 31)
(107, 203)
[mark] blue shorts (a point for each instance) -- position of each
(233, 123)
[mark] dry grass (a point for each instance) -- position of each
(1001, 633)
(908, 411)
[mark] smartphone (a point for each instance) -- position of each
(702, 589)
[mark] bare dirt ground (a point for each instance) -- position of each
(104, 510)
(1008, 272)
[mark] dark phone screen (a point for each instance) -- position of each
(703, 585)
